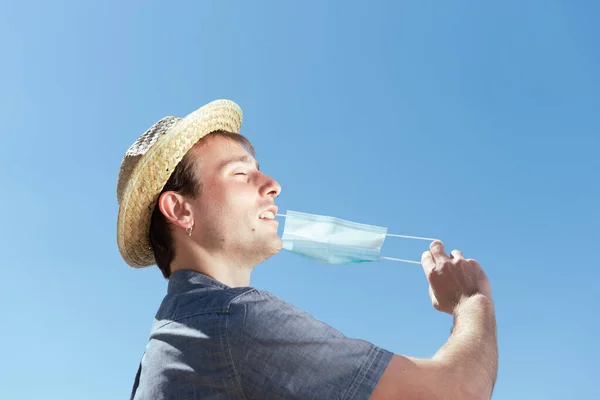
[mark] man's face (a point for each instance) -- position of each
(235, 212)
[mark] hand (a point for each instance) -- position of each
(451, 279)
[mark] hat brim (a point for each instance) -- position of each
(154, 169)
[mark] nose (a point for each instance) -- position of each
(270, 187)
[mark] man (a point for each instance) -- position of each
(193, 200)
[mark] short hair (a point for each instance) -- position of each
(184, 181)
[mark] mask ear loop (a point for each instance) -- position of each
(406, 237)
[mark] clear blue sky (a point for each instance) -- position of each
(477, 124)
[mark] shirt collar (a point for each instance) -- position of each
(183, 278)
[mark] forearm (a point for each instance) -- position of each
(471, 353)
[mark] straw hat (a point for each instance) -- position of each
(148, 164)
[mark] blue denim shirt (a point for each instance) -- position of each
(210, 341)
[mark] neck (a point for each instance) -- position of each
(223, 269)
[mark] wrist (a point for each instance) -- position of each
(474, 301)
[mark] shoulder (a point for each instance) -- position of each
(253, 300)
(253, 303)
(198, 302)
(261, 313)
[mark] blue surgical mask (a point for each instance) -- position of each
(332, 240)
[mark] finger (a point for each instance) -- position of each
(456, 254)
(427, 262)
(474, 262)
(438, 251)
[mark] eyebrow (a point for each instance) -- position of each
(246, 159)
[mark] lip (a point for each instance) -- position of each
(273, 209)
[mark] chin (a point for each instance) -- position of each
(261, 249)
(271, 248)
(275, 246)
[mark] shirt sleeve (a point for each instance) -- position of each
(281, 352)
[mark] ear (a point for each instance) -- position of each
(176, 209)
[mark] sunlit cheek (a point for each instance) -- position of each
(239, 197)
